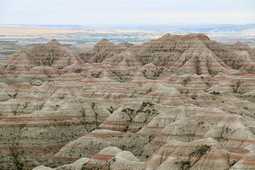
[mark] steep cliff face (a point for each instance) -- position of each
(180, 101)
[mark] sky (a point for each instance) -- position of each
(126, 12)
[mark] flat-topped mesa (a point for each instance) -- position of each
(194, 36)
(202, 37)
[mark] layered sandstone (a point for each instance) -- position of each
(177, 102)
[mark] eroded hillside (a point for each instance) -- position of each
(180, 102)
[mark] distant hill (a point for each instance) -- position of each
(78, 34)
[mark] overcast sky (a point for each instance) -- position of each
(127, 12)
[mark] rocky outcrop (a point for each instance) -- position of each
(51, 54)
(178, 102)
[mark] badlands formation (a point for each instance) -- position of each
(180, 102)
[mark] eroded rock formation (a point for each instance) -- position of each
(180, 102)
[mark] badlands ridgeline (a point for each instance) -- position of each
(179, 102)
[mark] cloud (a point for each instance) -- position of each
(109, 12)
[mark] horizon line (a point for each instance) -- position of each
(143, 24)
